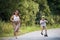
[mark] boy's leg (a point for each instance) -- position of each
(46, 31)
(42, 30)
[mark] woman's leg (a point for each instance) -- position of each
(14, 26)
(15, 33)
(17, 29)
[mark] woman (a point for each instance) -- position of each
(16, 22)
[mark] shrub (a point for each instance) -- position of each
(5, 27)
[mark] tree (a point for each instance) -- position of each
(44, 9)
(6, 8)
(28, 11)
(54, 6)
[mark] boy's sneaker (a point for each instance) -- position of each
(46, 35)
(41, 33)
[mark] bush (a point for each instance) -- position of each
(5, 27)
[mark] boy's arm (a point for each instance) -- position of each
(46, 21)
(40, 22)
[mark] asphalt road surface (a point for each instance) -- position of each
(53, 34)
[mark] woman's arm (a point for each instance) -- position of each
(11, 19)
(19, 19)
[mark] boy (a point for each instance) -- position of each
(43, 26)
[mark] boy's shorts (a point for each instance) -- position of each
(43, 26)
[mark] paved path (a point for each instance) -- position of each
(53, 34)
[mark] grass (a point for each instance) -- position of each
(6, 29)
(22, 30)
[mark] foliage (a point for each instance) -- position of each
(28, 11)
(5, 27)
(6, 8)
(54, 6)
(31, 10)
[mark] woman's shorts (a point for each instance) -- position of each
(16, 26)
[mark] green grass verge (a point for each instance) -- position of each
(6, 29)
(22, 30)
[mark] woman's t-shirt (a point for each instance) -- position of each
(16, 18)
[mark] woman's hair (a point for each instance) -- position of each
(15, 11)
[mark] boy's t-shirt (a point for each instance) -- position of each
(43, 22)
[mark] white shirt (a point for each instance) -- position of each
(16, 18)
(43, 22)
